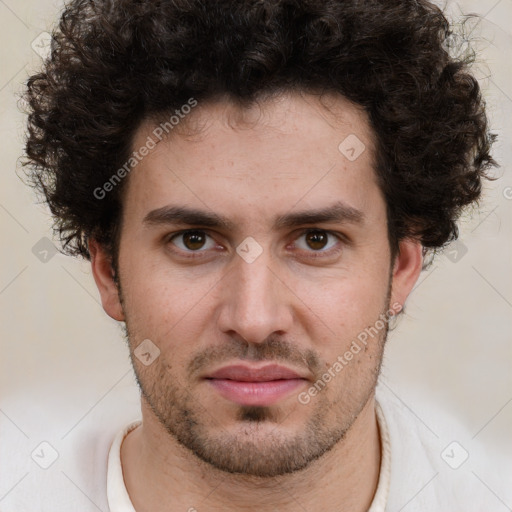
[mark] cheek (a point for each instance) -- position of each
(344, 306)
(331, 307)
(164, 305)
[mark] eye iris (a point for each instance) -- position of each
(193, 240)
(317, 239)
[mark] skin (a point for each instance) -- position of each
(196, 448)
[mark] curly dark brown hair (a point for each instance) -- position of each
(116, 63)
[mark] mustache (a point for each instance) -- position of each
(272, 349)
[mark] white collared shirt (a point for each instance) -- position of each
(429, 463)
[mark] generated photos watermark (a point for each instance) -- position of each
(158, 134)
(355, 347)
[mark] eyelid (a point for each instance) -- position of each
(168, 239)
(343, 239)
(323, 253)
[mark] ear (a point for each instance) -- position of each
(104, 276)
(406, 270)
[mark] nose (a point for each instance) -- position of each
(256, 301)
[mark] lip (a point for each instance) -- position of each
(244, 373)
(263, 386)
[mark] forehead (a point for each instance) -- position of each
(287, 113)
(291, 149)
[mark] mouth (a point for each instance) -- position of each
(263, 386)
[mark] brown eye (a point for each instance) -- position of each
(317, 240)
(192, 241)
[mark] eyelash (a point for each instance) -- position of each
(314, 254)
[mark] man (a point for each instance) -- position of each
(256, 185)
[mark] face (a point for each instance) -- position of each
(253, 241)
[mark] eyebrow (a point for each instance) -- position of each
(338, 212)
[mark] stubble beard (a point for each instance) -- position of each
(257, 446)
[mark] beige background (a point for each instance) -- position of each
(63, 361)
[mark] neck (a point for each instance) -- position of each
(160, 474)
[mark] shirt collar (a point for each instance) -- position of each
(119, 500)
